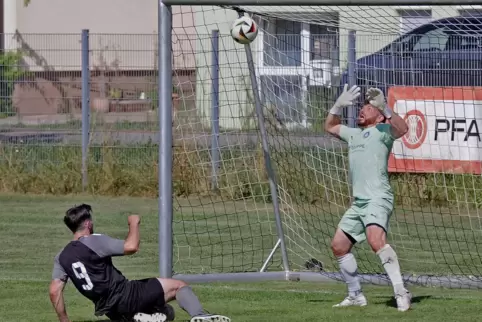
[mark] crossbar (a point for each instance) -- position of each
(321, 2)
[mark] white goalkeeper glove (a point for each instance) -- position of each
(375, 97)
(345, 99)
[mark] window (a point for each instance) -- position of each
(282, 43)
(289, 43)
(470, 12)
(323, 42)
(411, 19)
(435, 39)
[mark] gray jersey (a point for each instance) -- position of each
(88, 264)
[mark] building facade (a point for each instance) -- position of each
(123, 44)
(301, 47)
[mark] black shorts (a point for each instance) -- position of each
(139, 296)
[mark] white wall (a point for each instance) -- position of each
(233, 75)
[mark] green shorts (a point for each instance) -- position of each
(364, 213)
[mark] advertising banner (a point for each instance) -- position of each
(444, 133)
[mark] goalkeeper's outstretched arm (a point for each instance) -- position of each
(333, 121)
(332, 124)
(398, 125)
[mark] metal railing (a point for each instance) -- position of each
(41, 86)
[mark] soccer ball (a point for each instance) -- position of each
(244, 30)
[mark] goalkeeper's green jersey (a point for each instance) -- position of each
(369, 149)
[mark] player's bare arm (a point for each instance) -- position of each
(131, 244)
(332, 124)
(333, 121)
(398, 126)
(56, 292)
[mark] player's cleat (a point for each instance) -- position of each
(156, 317)
(210, 318)
(359, 300)
(404, 301)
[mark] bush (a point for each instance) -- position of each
(10, 72)
(133, 171)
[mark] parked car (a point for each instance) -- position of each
(445, 52)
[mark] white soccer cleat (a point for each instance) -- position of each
(156, 317)
(404, 301)
(359, 300)
(210, 318)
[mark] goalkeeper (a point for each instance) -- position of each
(369, 148)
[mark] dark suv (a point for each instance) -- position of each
(446, 52)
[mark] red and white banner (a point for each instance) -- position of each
(444, 133)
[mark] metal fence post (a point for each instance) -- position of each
(215, 153)
(351, 112)
(85, 107)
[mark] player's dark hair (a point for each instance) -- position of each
(76, 216)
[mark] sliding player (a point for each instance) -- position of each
(367, 218)
(87, 262)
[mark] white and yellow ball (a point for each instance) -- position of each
(244, 30)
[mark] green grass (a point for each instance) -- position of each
(250, 302)
(32, 232)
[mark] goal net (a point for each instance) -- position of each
(425, 61)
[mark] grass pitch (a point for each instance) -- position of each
(32, 233)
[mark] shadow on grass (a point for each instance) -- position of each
(391, 302)
(319, 301)
(416, 299)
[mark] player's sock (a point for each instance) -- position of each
(348, 268)
(189, 302)
(392, 267)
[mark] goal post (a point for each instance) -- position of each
(165, 140)
(249, 186)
